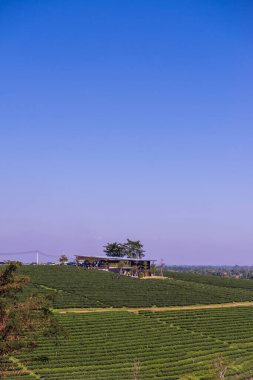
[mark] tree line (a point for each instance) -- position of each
(130, 249)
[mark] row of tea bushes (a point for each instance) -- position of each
(149, 345)
(228, 282)
(72, 287)
(12, 371)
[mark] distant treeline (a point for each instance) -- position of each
(236, 271)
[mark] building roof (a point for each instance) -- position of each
(78, 257)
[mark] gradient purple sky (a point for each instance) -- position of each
(128, 119)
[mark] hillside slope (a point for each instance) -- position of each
(72, 287)
(149, 345)
(228, 282)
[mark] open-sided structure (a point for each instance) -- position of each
(126, 266)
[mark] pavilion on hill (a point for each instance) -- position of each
(121, 265)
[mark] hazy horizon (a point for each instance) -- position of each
(127, 120)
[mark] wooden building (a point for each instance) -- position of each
(125, 266)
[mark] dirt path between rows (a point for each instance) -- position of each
(154, 309)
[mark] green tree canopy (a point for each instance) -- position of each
(63, 259)
(134, 249)
(131, 249)
(21, 321)
(114, 250)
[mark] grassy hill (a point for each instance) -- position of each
(228, 282)
(73, 287)
(118, 345)
(149, 345)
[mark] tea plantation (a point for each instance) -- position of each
(13, 370)
(229, 282)
(147, 345)
(118, 345)
(73, 287)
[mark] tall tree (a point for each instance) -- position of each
(114, 250)
(21, 321)
(63, 259)
(134, 249)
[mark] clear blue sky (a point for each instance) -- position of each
(127, 119)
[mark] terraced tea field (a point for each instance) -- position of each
(73, 287)
(148, 345)
(145, 344)
(228, 282)
(13, 371)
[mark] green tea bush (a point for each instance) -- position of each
(72, 287)
(167, 345)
